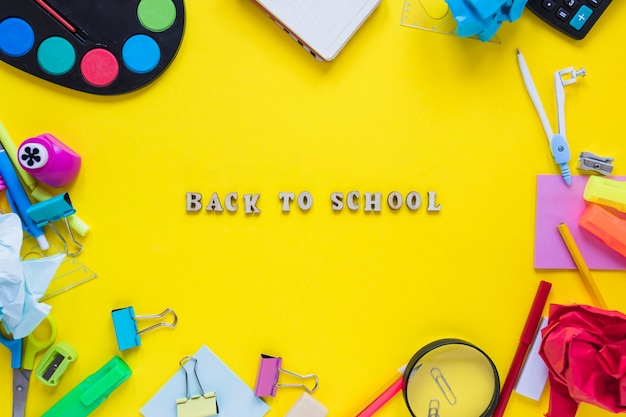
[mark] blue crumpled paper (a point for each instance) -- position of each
(22, 283)
(483, 18)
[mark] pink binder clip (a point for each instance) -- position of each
(267, 378)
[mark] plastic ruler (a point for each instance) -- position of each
(71, 273)
(431, 15)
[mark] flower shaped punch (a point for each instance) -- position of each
(34, 156)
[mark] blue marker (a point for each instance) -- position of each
(19, 199)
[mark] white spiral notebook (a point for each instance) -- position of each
(322, 27)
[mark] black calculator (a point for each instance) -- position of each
(573, 17)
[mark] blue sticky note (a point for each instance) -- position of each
(234, 397)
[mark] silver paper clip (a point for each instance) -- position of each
(599, 164)
(433, 408)
(201, 405)
(443, 385)
(51, 210)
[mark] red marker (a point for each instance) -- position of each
(528, 334)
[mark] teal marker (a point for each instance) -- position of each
(89, 394)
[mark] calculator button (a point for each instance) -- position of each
(563, 14)
(571, 3)
(595, 3)
(549, 4)
(580, 17)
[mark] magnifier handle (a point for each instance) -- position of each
(383, 398)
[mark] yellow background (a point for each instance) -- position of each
(349, 296)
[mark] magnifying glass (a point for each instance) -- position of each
(451, 378)
(446, 378)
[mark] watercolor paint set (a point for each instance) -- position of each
(99, 47)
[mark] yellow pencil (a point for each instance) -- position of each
(585, 273)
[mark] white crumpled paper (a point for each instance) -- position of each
(22, 283)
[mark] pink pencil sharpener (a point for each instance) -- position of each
(49, 160)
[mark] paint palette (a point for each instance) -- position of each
(99, 47)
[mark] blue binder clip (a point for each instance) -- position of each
(125, 324)
(56, 208)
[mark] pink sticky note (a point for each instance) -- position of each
(558, 203)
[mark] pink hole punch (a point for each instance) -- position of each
(269, 373)
(49, 160)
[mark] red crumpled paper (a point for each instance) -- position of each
(585, 350)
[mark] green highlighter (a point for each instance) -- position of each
(89, 394)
